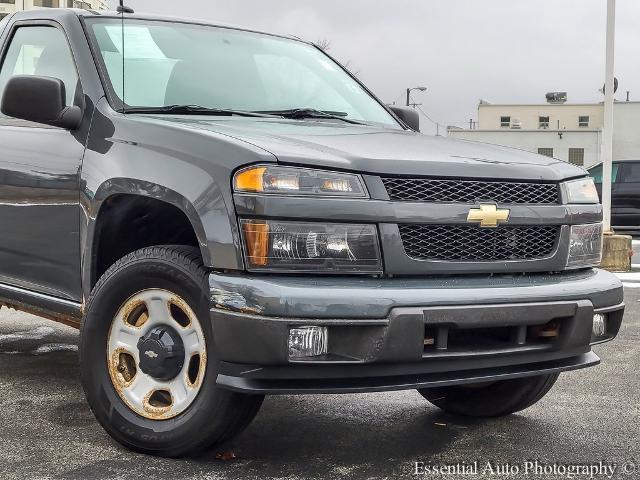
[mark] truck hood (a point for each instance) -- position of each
(378, 150)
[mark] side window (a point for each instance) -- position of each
(631, 173)
(42, 51)
(596, 173)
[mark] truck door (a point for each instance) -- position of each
(626, 197)
(39, 173)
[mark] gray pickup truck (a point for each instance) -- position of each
(227, 214)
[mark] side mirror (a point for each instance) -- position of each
(409, 116)
(40, 100)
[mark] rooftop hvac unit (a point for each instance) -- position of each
(557, 97)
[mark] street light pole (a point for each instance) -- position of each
(607, 133)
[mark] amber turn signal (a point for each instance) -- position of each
(250, 180)
(256, 236)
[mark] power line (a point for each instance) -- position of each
(437, 124)
(417, 105)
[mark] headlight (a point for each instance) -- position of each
(581, 191)
(585, 248)
(298, 181)
(311, 247)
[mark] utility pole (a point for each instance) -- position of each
(409, 90)
(607, 133)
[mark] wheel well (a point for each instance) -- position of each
(127, 223)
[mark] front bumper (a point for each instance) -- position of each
(391, 334)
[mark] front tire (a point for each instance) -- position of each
(495, 399)
(147, 357)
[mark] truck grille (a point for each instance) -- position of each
(472, 243)
(470, 191)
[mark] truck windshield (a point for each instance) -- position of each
(178, 64)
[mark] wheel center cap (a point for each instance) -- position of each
(161, 353)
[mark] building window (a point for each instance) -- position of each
(576, 156)
(547, 152)
(583, 121)
(2, 15)
(543, 122)
(12, 2)
(505, 122)
(46, 3)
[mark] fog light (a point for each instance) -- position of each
(599, 325)
(307, 342)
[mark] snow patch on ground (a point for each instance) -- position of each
(55, 347)
(35, 334)
(630, 279)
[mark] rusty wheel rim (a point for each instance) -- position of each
(145, 395)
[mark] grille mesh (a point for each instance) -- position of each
(472, 243)
(469, 191)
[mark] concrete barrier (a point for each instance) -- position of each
(617, 252)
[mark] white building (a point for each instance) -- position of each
(569, 132)
(8, 7)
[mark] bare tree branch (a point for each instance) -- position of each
(324, 44)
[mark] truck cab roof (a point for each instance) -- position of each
(59, 13)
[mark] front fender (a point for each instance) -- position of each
(131, 186)
(185, 167)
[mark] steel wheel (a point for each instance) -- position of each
(156, 354)
(149, 389)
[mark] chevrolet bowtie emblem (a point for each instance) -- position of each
(488, 216)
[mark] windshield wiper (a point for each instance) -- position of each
(302, 113)
(195, 110)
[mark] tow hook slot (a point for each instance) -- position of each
(549, 330)
(449, 338)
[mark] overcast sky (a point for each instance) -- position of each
(504, 51)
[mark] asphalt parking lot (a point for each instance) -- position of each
(47, 430)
